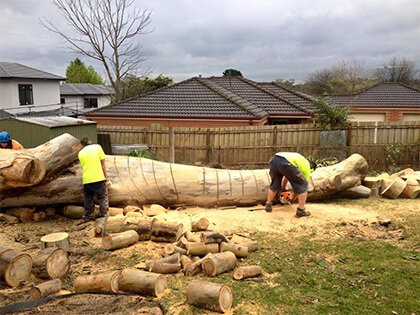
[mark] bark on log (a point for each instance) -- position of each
(113, 211)
(119, 240)
(170, 249)
(394, 189)
(46, 288)
(172, 259)
(60, 240)
(143, 227)
(252, 246)
(107, 282)
(142, 181)
(372, 182)
(247, 272)
(218, 263)
(200, 225)
(201, 249)
(240, 251)
(24, 215)
(185, 261)
(192, 236)
(111, 224)
(164, 268)
(52, 262)
(209, 237)
(194, 268)
(355, 192)
(168, 232)
(212, 296)
(143, 282)
(15, 267)
(238, 239)
(411, 190)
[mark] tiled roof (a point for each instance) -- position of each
(214, 97)
(85, 89)
(11, 70)
(381, 95)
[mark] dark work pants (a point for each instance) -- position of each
(100, 189)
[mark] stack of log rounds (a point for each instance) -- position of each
(394, 189)
(212, 296)
(247, 272)
(52, 262)
(216, 264)
(46, 288)
(24, 215)
(119, 240)
(15, 267)
(200, 225)
(60, 240)
(142, 282)
(107, 282)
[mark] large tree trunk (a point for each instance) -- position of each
(138, 181)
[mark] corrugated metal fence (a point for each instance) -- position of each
(380, 143)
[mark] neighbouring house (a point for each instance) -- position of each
(383, 102)
(210, 102)
(24, 89)
(83, 97)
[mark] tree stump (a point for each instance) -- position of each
(52, 262)
(394, 189)
(23, 214)
(201, 249)
(240, 251)
(142, 282)
(200, 225)
(168, 232)
(46, 288)
(107, 282)
(218, 263)
(15, 267)
(119, 240)
(60, 240)
(212, 296)
(247, 272)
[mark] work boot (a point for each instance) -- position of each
(302, 213)
(268, 206)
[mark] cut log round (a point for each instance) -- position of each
(372, 182)
(23, 214)
(60, 240)
(238, 239)
(107, 282)
(143, 282)
(208, 237)
(111, 224)
(200, 225)
(192, 237)
(185, 261)
(49, 212)
(252, 246)
(170, 249)
(394, 189)
(52, 262)
(172, 259)
(112, 211)
(132, 209)
(119, 240)
(165, 268)
(212, 296)
(168, 232)
(195, 267)
(201, 249)
(46, 288)
(247, 272)
(218, 263)
(355, 192)
(143, 227)
(155, 210)
(240, 251)
(15, 267)
(411, 190)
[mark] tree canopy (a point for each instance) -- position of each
(77, 72)
(134, 86)
(232, 73)
(331, 116)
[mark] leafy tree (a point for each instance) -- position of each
(134, 86)
(77, 72)
(107, 31)
(331, 116)
(398, 70)
(232, 73)
(290, 83)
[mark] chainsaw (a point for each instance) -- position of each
(285, 197)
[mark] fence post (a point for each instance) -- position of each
(171, 145)
(145, 135)
(208, 146)
(275, 140)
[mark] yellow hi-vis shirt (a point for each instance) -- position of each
(297, 160)
(90, 158)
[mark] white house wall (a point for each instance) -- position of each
(72, 101)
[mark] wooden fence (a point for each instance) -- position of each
(381, 143)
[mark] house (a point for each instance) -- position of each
(85, 96)
(383, 102)
(209, 102)
(23, 89)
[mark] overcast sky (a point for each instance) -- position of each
(264, 39)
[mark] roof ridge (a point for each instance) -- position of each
(255, 84)
(232, 97)
(3, 68)
(356, 93)
(293, 91)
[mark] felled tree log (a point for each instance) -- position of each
(46, 288)
(218, 263)
(168, 232)
(143, 227)
(394, 189)
(15, 267)
(247, 272)
(107, 282)
(143, 282)
(52, 262)
(138, 181)
(200, 225)
(239, 250)
(119, 240)
(201, 249)
(356, 192)
(212, 296)
(60, 240)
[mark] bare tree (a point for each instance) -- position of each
(107, 31)
(398, 70)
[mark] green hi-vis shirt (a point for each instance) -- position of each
(90, 157)
(297, 160)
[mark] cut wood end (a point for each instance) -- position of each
(54, 237)
(238, 274)
(161, 285)
(225, 298)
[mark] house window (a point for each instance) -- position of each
(62, 101)
(91, 103)
(25, 94)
